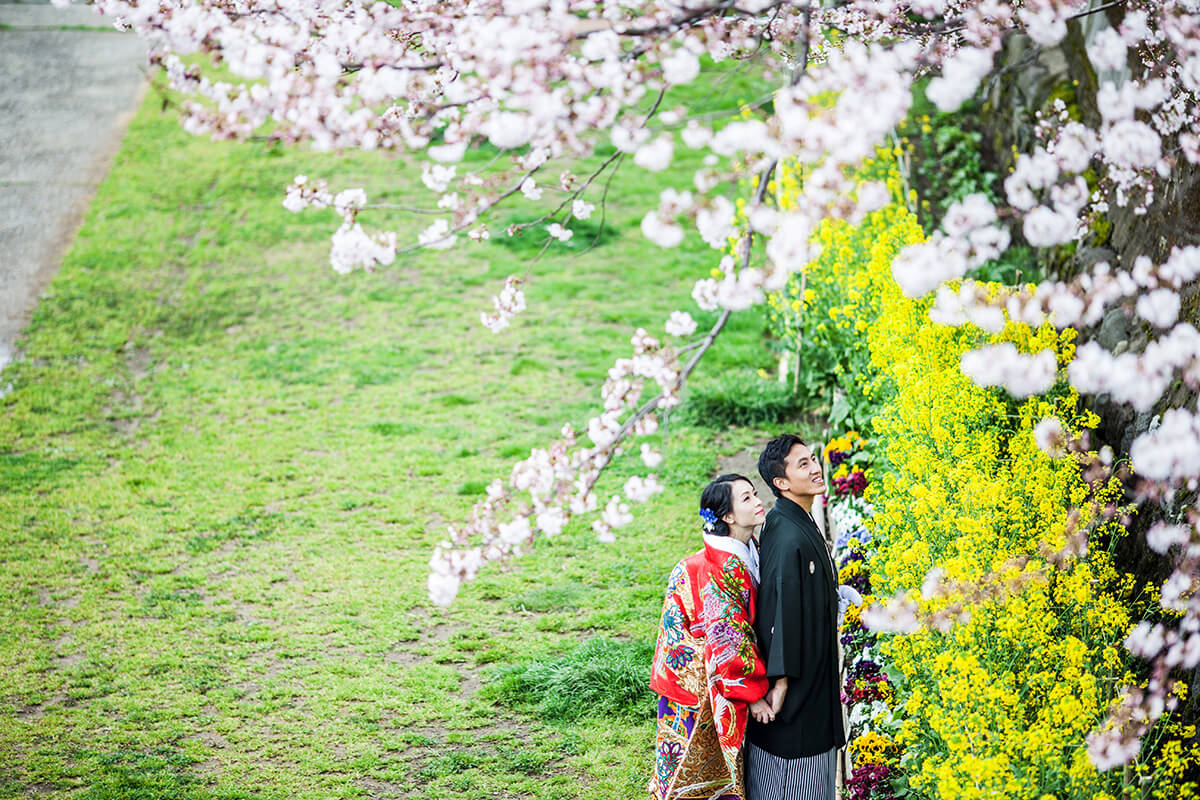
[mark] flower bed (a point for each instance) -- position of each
(1012, 648)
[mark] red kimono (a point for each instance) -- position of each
(707, 671)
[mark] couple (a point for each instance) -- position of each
(748, 647)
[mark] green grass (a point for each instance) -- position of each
(599, 678)
(223, 468)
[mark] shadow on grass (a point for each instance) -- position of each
(160, 774)
(24, 472)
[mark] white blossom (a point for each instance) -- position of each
(437, 177)
(680, 67)
(716, 222)
(650, 457)
(663, 234)
(656, 155)
(1003, 365)
(681, 324)
(437, 236)
(639, 490)
(1050, 436)
(581, 209)
(960, 78)
(530, 189)
(1160, 307)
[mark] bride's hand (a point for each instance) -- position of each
(761, 710)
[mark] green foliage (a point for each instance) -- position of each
(599, 678)
(743, 399)
(819, 318)
(946, 157)
(947, 162)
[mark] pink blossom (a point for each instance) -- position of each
(872, 196)
(1162, 536)
(1107, 51)
(1146, 640)
(1132, 143)
(680, 67)
(966, 215)
(557, 231)
(897, 616)
(1045, 227)
(1170, 452)
(920, 268)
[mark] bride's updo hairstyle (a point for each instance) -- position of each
(716, 501)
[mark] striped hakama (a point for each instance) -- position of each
(769, 777)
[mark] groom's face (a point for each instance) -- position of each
(802, 473)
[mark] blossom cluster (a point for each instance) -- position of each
(546, 80)
(553, 485)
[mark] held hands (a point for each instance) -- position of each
(761, 710)
(764, 710)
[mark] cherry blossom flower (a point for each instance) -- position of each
(651, 457)
(530, 189)
(681, 324)
(581, 209)
(662, 233)
(1051, 437)
(960, 78)
(1002, 365)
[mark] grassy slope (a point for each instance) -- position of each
(223, 466)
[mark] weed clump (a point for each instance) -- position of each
(743, 400)
(599, 678)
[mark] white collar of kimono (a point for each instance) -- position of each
(728, 544)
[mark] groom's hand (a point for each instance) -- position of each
(776, 695)
(761, 711)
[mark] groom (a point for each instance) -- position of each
(796, 755)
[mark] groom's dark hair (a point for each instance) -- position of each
(772, 463)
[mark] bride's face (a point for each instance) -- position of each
(747, 513)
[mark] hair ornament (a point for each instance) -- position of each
(710, 518)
